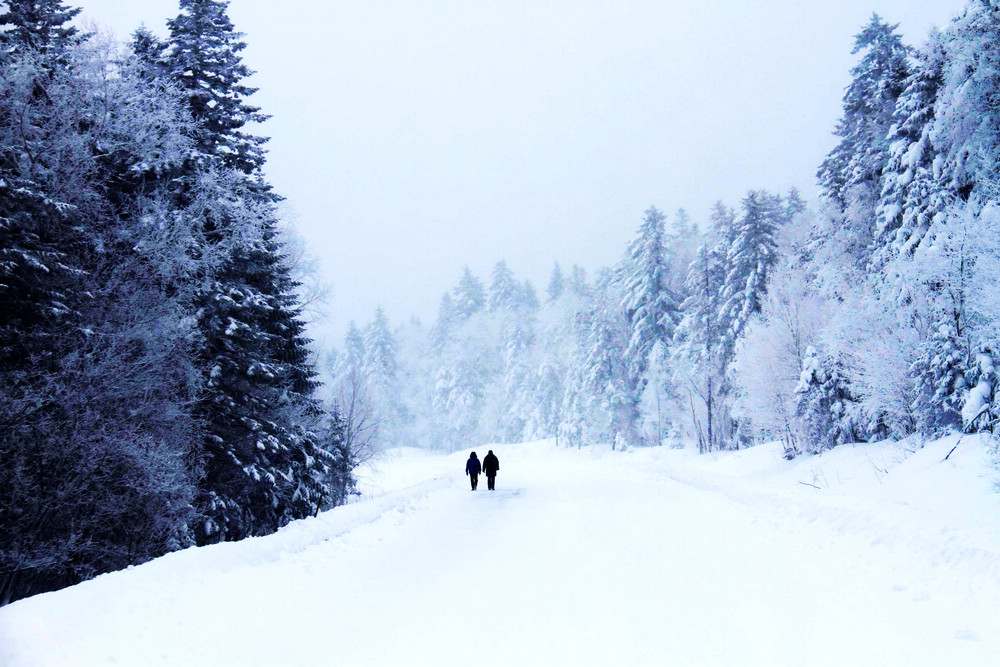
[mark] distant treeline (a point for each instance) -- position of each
(872, 315)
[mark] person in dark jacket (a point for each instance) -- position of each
(490, 466)
(472, 469)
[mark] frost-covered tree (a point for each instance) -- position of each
(966, 129)
(911, 196)
(851, 175)
(750, 260)
(648, 303)
(769, 358)
(262, 463)
(262, 458)
(469, 296)
(40, 27)
(380, 370)
(557, 284)
(204, 58)
(980, 409)
(824, 406)
(380, 353)
(656, 400)
(518, 400)
(698, 358)
(442, 329)
(605, 373)
(95, 349)
(505, 291)
(939, 375)
(682, 245)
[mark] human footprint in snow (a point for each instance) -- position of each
(472, 469)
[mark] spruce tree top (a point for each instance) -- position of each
(36, 25)
(204, 58)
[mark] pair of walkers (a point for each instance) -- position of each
(489, 467)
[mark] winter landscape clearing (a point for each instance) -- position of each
(870, 554)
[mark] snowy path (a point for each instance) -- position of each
(580, 558)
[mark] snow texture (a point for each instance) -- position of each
(873, 554)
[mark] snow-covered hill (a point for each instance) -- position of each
(884, 554)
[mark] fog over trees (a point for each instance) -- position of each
(867, 315)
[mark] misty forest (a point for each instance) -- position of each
(158, 389)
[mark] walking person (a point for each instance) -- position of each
(490, 466)
(472, 469)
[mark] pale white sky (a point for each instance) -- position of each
(412, 137)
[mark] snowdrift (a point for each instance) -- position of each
(884, 553)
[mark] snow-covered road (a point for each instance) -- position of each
(579, 558)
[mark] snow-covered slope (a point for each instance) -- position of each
(875, 554)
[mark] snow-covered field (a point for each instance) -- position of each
(867, 555)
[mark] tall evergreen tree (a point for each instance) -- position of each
(647, 300)
(262, 463)
(204, 58)
(851, 175)
(825, 406)
(442, 329)
(967, 124)
(95, 347)
(380, 354)
(469, 296)
(605, 373)
(504, 293)
(354, 348)
(696, 344)
(38, 26)
(557, 284)
(750, 260)
(911, 196)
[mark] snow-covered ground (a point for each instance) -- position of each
(869, 555)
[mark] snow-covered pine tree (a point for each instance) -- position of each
(442, 329)
(750, 259)
(980, 410)
(656, 396)
(518, 400)
(825, 407)
(527, 298)
(682, 245)
(647, 300)
(41, 27)
(261, 459)
(504, 292)
(578, 283)
(966, 131)
(911, 195)
(606, 374)
(354, 349)
(469, 296)
(338, 481)
(697, 358)
(204, 58)
(939, 375)
(851, 175)
(557, 284)
(380, 371)
(380, 354)
(794, 204)
(95, 351)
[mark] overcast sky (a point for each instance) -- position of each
(414, 137)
